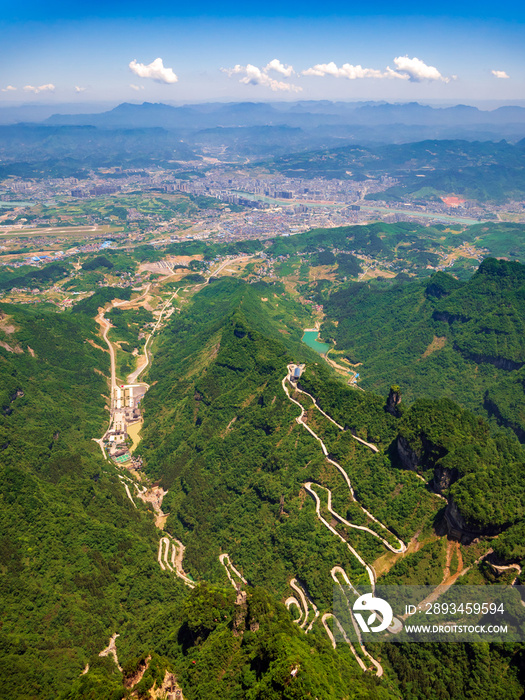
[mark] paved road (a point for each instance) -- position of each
(126, 487)
(106, 325)
(370, 445)
(369, 569)
(175, 563)
(328, 616)
(401, 548)
(226, 562)
(303, 605)
(337, 570)
(132, 378)
(225, 264)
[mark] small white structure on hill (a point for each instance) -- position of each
(295, 372)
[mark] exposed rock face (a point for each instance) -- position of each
(460, 529)
(456, 525)
(409, 458)
(424, 458)
(415, 461)
(449, 318)
(136, 677)
(241, 611)
(7, 410)
(393, 401)
(496, 361)
(443, 478)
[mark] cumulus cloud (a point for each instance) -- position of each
(49, 87)
(252, 75)
(417, 70)
(277, 66)
(500, 74)
(8, 88)
(136, 87)
(154, 70)
(345, 71)
(412, 69)
(80, 89)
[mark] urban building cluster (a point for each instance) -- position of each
(272, 203)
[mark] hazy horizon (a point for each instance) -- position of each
(79, 107)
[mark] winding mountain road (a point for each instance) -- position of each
(123, 479)
(226, 562)
(175, 563)
(105, 325)
(303, 605)
(132, 378)
(171, 552)
(363, 442)
(337, 571)
(401, 548)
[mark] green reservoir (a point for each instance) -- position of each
(310, 338)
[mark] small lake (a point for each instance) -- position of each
(310, 338)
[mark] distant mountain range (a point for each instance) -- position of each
(323, 122)
(140, 134)
(301, 114)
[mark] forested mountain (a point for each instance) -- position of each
(33, 151)
(316, 122)
(80, 561)
(427, 169)
(441, 338)
(430, 150)
(226, 445)
(77, 562)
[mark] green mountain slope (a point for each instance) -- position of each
(441, 338)
(221, 434)
(485, 171)
(78, 560)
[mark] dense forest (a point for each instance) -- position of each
(78, 563)
(221, 436)
(79, 560)
(440, 338)
(225, 444)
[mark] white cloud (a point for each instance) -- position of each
(259, 76)
(417, 70)
(80, 89)
(136, 87)
(9, 88)
(154, 70)
(345, 71)
(412, 69)
(49, 87)
(277, 66)
(500, 74)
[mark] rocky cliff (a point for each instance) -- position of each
(466, 532)
(457, 526)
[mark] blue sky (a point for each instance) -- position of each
(455, 52)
